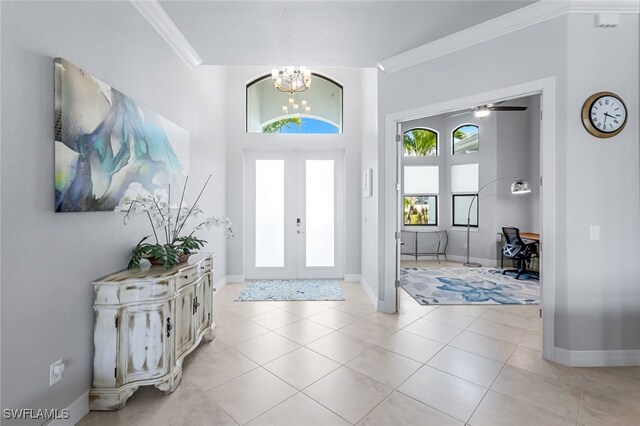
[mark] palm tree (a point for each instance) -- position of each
(420, 142)
(276, 126)
(459, 135)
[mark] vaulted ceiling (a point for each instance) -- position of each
(322, 33)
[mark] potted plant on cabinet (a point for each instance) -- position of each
(168, 222)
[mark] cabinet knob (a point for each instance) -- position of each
(169, 327)
(185, 276)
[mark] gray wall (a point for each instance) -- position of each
(49, 259)
(519, 156)
(239, 141)
(509, 146)
(597, 281)
(598, 306)
(482, 239)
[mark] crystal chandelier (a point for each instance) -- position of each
(291, 79)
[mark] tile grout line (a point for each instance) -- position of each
(490, 386)
(525, 402)
(580, 400)
(298, 391)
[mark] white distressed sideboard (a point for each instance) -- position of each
(146, 323)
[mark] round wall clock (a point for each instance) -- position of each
(604, 114)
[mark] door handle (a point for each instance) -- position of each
(300, 232)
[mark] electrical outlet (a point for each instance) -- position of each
(55, 372)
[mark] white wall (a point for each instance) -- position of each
(238, 140)
(369, 160)
(597, 282)
(50, 259)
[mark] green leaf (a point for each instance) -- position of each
(189, 243)
(420, 142)
(137, 253)
(276, 126)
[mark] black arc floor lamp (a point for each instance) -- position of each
(519, 186)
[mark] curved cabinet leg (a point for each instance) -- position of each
(172, 382)
(210, 334)
(108, 399)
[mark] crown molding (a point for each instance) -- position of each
(527, 16)
(162, 23)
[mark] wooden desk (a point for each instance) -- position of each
(530, 236)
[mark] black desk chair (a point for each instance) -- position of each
(515, 248)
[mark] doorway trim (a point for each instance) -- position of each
(548, 168)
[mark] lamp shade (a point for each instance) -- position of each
(520, 187)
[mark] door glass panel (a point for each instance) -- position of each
(269, 210)
(320, 215)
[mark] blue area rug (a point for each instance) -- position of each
(462, 286)
(292, 290)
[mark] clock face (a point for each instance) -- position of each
(607, 114)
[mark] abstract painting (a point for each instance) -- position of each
(108, 146)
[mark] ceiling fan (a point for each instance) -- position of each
(482, 111)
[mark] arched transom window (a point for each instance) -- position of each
(465, 139)
(316, 110)
(420, 142)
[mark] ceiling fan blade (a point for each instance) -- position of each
(506, 108)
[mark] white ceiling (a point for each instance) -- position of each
(322, 33)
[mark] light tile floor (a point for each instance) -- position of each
(341, 363)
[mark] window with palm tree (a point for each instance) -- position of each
(279, 125)
(421, 185)
(421, 210)
(420, 143)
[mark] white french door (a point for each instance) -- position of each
(294, 214)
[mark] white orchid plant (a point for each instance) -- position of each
(167, 222)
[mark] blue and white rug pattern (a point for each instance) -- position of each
(461, 286)
(271, 290)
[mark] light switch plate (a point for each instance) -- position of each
(594, 232)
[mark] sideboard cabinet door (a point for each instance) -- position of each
(144, 342)
(185, 335)
(203, 293)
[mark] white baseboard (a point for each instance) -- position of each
(220, 284)
(352, 278)
(614, 358)
(77, 410)
(235, 279)
(367, 289)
